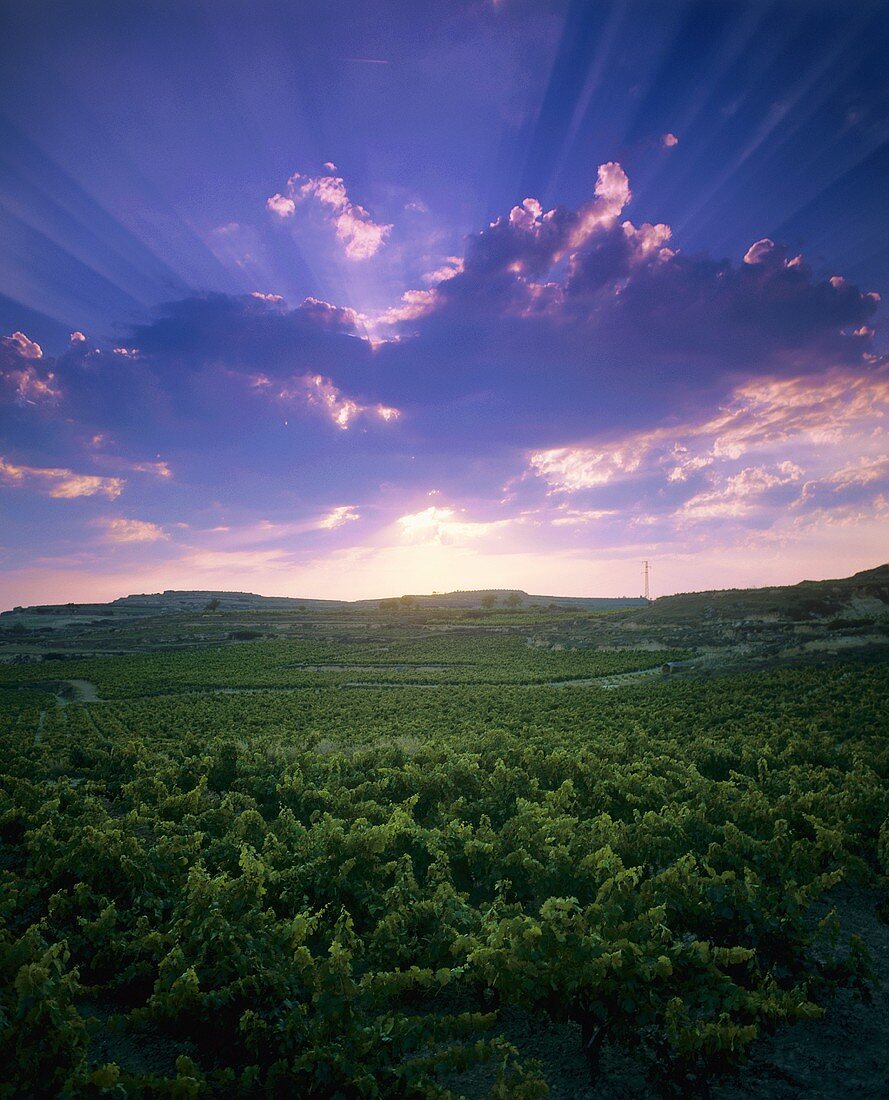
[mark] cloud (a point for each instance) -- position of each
(241, 248)
(25, 377)
(760, 251)
(803, 412)
(414, 304)
(121, 530)
(61, 483)
(159, 469)
(568, 469)
(853, 483)
(619, 305)
(329, 317)
(360, 236)
(443, 526)
(816, 445)
(739, 494)
(314, 391)
(337, 517)
(576, 517)
(531, 241)
(281, 205)
(630, 396)
(669, 140)
(250, 331)
(452, 266)
(22, 346)
(27, 386)
(628, 323)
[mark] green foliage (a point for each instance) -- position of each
(333, 892)
(453, 658)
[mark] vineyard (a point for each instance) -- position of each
(367, 866)
(448, 659)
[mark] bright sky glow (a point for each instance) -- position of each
(508, 295)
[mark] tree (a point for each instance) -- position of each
(513, 600)
(211, 605)
(388, 605)
(407, 602)
(488, 600)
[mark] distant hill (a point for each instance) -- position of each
(173, 600)
(148, 604)
(864, 594)
(475, 599)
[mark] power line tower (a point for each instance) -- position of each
(645, 580)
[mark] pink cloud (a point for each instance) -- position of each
(777, 451)
(517, 254)
(159, 469)
(338, 517)
(669, 140)
(314, 391)
(452, 266)
(414, 304)
(569, 469)
(360, 236)
(281, 205)
(612, 193)
(121, 530)
(739, 494)
(759, 251)
(28, 386)
(61, 483)
(24, 378)
(803, 412)
(22, 346)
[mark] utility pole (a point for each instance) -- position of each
(645, 580)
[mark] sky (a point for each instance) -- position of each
(354, 299)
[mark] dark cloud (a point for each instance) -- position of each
(251, 331)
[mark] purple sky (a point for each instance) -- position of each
(359, 299)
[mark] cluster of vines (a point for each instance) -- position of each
(353, 922)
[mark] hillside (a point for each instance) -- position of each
(862, 595)
(174, 602)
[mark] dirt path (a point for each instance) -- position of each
(613, 680)
(608, 680)
(86, 692)
(83, 692)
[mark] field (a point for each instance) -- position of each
(326, 852)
